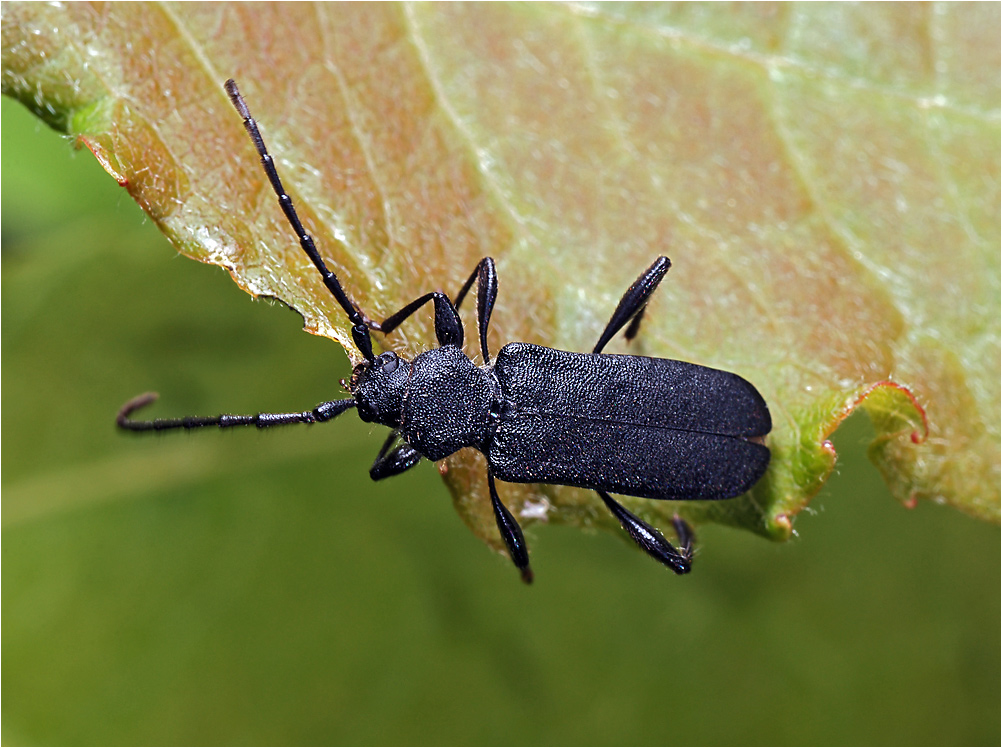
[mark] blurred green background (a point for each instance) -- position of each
(250, 587)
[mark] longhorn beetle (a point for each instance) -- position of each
(633, 425)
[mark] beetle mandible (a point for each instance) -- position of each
(634, 425)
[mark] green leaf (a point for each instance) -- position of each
(825, 179)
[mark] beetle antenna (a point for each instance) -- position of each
(321, 413)
(360, 325)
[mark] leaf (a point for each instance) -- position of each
(825, 179)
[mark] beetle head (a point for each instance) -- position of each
(378, 388)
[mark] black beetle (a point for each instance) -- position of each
(648, 427)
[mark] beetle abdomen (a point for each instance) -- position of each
(654, 463)
(634, 425)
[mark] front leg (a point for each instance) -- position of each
(389, 463)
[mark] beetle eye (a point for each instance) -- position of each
(390, 362)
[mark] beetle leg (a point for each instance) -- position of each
(634, 327)
(633, 303)
(389, 463)
(651, 540)
(486, 276)
(399, 460)
(511, 533)
(448, 326)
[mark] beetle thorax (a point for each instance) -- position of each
(447, 403)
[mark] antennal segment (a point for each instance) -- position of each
(360, 328)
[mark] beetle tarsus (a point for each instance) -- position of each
(686, 537)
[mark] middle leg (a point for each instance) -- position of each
(448, 326)
(511, 533)
(486, 276)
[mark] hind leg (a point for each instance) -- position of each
(651, 540)
(633, 303)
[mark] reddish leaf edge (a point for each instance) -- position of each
(103, 158)
(885, 401)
